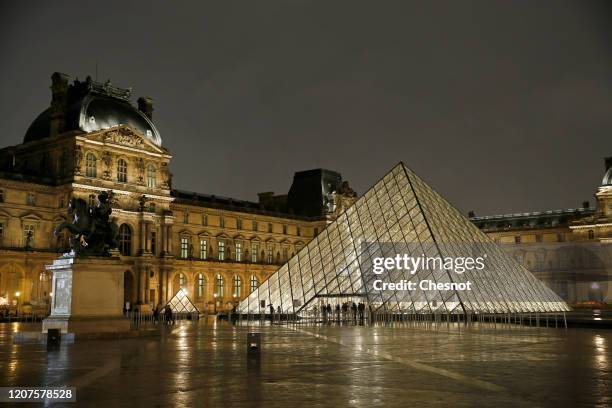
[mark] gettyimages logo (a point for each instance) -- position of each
(405, 267)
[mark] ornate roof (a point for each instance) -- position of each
(90, 106)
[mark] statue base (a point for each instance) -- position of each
(87, 295)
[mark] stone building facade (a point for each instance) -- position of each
(92, 139)
(218, 249)
(567, 249)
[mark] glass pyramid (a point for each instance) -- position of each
(180, 303)
(401, 214)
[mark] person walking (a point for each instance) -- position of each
(168, 315)
(156, 314)
(354, 312)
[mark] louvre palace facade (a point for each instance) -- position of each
(93, 139)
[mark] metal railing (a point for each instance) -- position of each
(142, 319)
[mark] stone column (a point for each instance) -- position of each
(161, 287)
(147, 238)
(142, 235)
(141, 285)
(162, 239)
(169, 239)
(167, 281)
(147, 293)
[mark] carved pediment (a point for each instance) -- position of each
(125, 136)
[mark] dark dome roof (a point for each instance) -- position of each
(92, 106)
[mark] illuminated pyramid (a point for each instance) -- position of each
(180, 303)
(402, 214)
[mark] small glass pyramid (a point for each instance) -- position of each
(401, 213)
(180, 303)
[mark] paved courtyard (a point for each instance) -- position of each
(205, 364)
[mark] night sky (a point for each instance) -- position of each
(502, 107)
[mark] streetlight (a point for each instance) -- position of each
(215, 296)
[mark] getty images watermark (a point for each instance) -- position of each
(402, 267)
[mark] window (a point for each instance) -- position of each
(181, 280)
(237, 286)
(151, 176)
(254, 225)
(517, 239)
(91, 200)
(152, 207)
(222, 222)
(254, 283)
(153, 242)
(591, 234)
(90, 165)
(254, 250)
(238, 223)
(186, 217)
(204, 220)
(30, 199)
(221, 249)
(284, 229)
(1, 230)
(269, 252)
(125, 239)
(122, 171)
(203, 249)
(184, 247)
(238, 251)
(316, 231)
(28, 234)
(201, 285)
(1, 196)
(269, 227)
(298, 231)
(219, 284)
(285, 253)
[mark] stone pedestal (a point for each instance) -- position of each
(87, 295)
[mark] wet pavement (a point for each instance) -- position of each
(205, 364)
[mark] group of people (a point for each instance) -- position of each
(347, 312)
(168, 316)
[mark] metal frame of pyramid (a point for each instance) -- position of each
(180, 303)
(401, 208)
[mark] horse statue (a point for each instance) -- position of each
(91, 230)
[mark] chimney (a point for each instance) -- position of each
(471, 214)
(145, 105)
(586, 204)
(59, 103)
(608, 161)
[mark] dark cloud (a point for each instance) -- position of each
(502, 106)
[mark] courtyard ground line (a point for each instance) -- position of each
(419, 366)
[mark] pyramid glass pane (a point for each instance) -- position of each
(401, 214)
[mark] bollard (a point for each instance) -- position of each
(253, 344)
(54, 337)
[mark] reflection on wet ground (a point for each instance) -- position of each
(205, 364)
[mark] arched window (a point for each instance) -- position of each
(122, 171)
(90, 165)
(201, 285)
(182, 280)
(254, 283)
(237, 286)
(219, 284)
(591, 234)
(151, 176)
(125, 239)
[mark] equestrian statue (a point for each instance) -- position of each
(92, 232)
